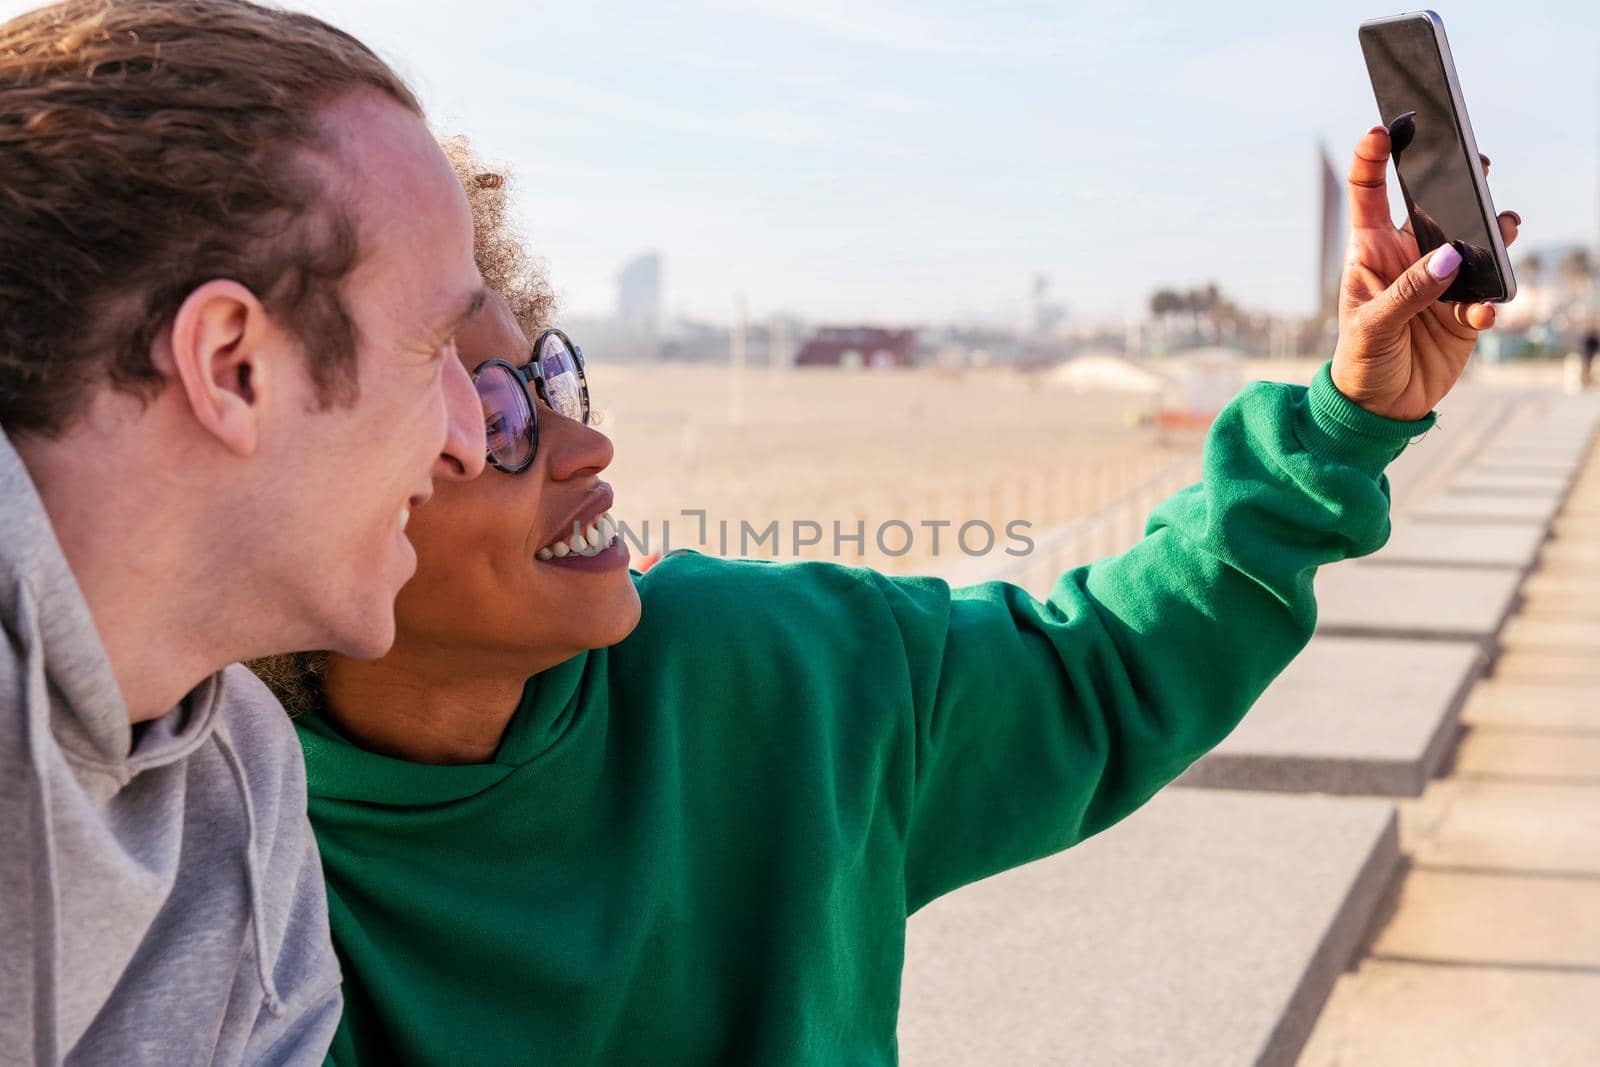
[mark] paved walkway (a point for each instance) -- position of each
(1490, 953)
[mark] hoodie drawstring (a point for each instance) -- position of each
(252, 871)
(46, 951)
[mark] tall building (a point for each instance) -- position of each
(1330, 257)
(1041, 314)
(639, 295)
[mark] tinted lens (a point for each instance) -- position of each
(507, 420)
(563, 379)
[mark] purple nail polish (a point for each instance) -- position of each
(1444, 262)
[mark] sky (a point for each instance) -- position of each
(918, 162)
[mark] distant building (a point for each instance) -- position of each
(639, 296)
(858, 346)
(1041, 315)
(1331, 246)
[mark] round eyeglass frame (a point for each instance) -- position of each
(531, 373)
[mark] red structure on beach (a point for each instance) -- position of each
(858, 346)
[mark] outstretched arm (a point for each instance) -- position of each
(1038, 724)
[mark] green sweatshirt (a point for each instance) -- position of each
(700, 846)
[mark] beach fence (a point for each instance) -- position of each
(1114, 524)
(988, 521)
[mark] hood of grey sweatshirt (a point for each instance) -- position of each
(161, 899)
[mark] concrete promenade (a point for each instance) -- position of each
(1394, 860)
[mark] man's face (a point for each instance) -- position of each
(350, 475)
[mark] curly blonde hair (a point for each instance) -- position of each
(296, 678)
(498, 246)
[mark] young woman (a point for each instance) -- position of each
(580, 815)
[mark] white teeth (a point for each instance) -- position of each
(405, 517)
(598, 537)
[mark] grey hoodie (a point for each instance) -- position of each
(161, 900)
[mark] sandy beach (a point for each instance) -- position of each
(826, 446)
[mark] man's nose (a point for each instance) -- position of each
(465, 448)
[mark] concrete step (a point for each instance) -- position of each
(1492, 953)
(1554, 581)
(1532, 704)
(1522, 468)
(1576, 527)
(1562, 608)
(1539, 827)
(1556, 634)
(1550, 667)
(1582, 508)
(1350, 715)
(1533, 757)
(1459, 916)
(1207, 928)
(1480, 479)
(1514, 545)
(1561, 590)
(1399, 1014)
(1369, 599)
(1557, 435)
(1572, 553)
(1537, 508)
(1535, 631)
(1568, 562)
(1551, 455)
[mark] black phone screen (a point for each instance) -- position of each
(1435, 166)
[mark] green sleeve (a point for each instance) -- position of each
(1040, 724)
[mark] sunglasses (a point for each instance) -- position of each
(510, 413)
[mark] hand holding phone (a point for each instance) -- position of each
(1436, 156)
(1402, 346)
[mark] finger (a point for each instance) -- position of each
(1510, 223)
(1477, 316)
(1369, 195)
(1423, 283)
(1485, 161)
(1413, 248)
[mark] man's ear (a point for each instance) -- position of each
(215, 348)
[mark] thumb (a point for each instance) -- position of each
(1414, 291)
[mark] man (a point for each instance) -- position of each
(232, 264)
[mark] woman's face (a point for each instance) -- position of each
(481, 585)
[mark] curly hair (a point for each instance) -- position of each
(296, 678)
(146, 147)
(498, 246)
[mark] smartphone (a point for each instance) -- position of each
(1435, 155)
